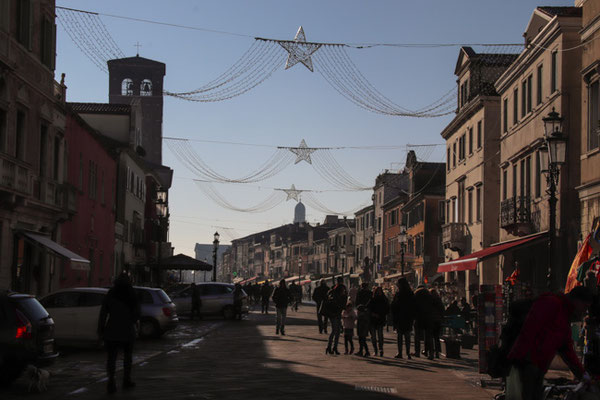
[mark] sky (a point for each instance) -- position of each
(293, 104)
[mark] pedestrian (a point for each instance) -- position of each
(119, 315)
(453, 309)
(319, 296)
(294, 292)
(545, 332)
(362, 330)
(256, 293)
(282, 297)
(238, 298)
(352, 293)
(437, 317)
(403, 310)
(265, 294)
(337, 297)
(348, 321)
(423, 321)
(379, 308)
(196, 301)
(466, 311)
(363, 296)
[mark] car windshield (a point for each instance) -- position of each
(163, 296)
(32, 308)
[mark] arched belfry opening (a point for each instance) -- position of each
(146, 88)
(127, 87)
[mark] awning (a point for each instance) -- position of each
(248, 280)
(77, 262)
(398, 275)
(469, 262)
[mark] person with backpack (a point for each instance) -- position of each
(545, 332)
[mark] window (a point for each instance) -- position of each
(470, 206)
(593, 115)
(4, 14)
(92, 174)
(516, 106)
(540, 81)
(538, 176)
(478, 203)
(80, 171)
(91, 299)
(447, 159)
(21, 133)
(505, 116)
(462, 147)
(24, 22)
(43, 167)
(56, 159)
(529, 92)
(454, 154)
(479, 133)
(448, 213)
(454, 210)
(146, 88)
(504, 184)
(515, 168)
(523, 98)
(461, 201)
(102, 197)
(554, 72)
(48, 43)
(528, 176)
(470, 140)
(441, 211)
(2, 130)
(127, 87)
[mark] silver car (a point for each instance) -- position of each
(216, 299)
(158, 313)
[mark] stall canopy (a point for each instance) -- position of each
(248, 280)
(77, 262)
(183, 262)
(469, 262)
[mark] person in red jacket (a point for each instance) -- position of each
(545, 332)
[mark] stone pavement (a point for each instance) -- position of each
(246, 360)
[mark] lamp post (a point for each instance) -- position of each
(215, 249)
(556, 146)
(402, 241)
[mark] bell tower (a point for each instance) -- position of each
(138, 81)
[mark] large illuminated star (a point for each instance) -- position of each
(302, 152)
(292, 193)
(299, 50)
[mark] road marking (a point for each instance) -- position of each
(376, 389)
(78, 391)
(193, 342)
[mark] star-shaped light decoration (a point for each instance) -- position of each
(299, 50)
(302, 152)
(292, 193)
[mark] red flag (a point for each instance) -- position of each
(426, 280)
(582, 256)
(513, 277)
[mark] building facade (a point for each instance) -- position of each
(365, 241)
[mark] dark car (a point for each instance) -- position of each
(26, 335)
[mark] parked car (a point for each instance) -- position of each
(26, 335)
(76, 312)
(216, 298)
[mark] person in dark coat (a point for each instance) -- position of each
(379, 307)
(238, 298)
(196, 301)
(282, 297)
(294, 290)
(466, 311)
(265, 294)
(423, 321)
(453, 309)
(339, 297)
(403, 311)
(319, 295)
(119, 315)
(437, 318)
(364, 295)
(362, 330)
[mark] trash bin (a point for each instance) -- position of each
(450, 347)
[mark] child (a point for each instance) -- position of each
(362, 330)
(348, 321)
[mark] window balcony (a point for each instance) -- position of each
(455, 236)
(15, 176)
(515, 215)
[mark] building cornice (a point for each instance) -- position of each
(590, 29)
(466, 113)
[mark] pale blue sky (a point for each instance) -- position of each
(293, 104)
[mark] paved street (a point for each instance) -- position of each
(246, 360)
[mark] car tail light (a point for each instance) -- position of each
(24, 328)
(167, 311)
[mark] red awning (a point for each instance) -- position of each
(469, 262)
(247, 280)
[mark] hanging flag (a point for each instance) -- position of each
(512, 279)
(581, 257)
(426, 280)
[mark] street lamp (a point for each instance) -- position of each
(215, 249)
(402, 241)
(556, 146)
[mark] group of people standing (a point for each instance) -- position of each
(421, 310)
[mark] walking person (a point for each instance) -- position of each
(319, 296)
(196, 301)
(348, 321)
(119, 315)
(379, 307)
(403, 311)
(294, 291)
(436, 322)
(337, 299)
(362, 330)
(238, 298)
(363, 296)
(423, 321)
(282, 297)
(265, 294)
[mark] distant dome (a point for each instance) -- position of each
(300, 213)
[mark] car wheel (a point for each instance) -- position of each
(149, 328)
(228, 312)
